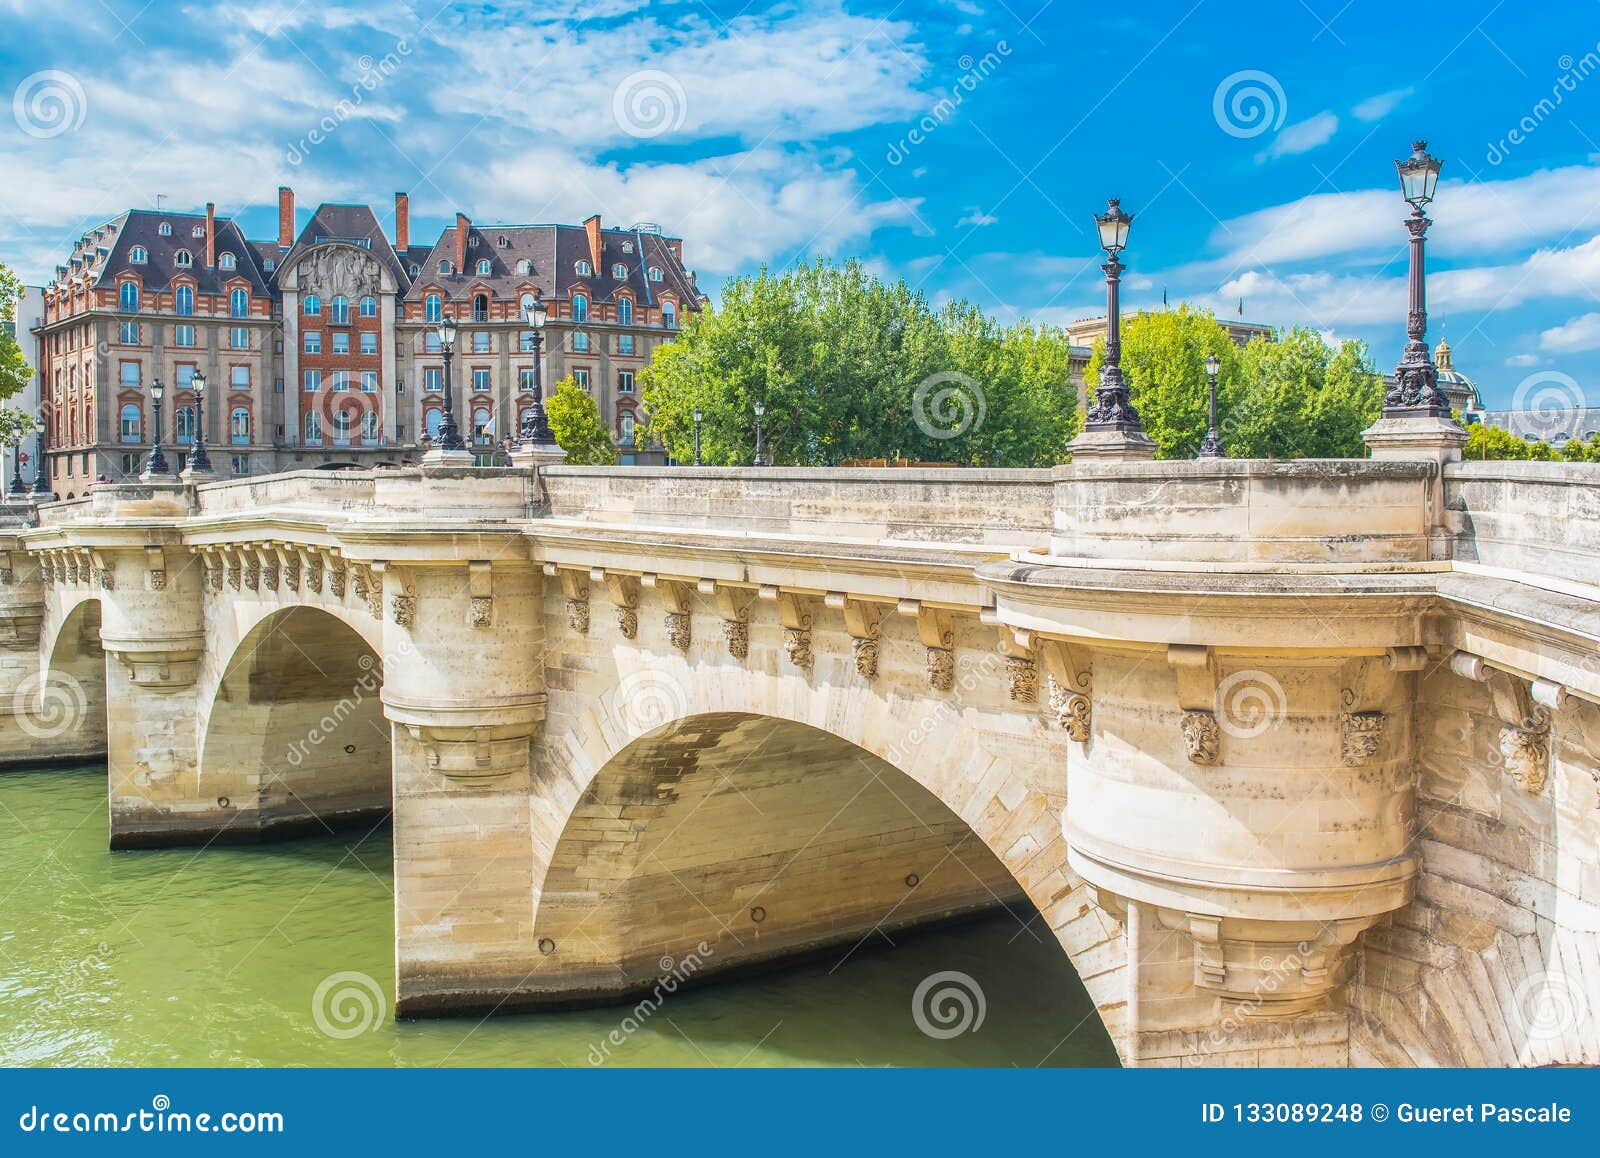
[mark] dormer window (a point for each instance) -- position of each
(198, 231)
(627, 247)
(269, 265)
(485, 268)
(655, 273)
(182, 259)
(416, 270)
(619, 271)
(166, 229)
(138, 255)
(227, 261)
(505, 242)
(444, 268)
(524, 267)
(581, 268)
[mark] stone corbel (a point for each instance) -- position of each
(1071, 685)
(473, 756)
(267, 560)
(1361, 718)
(794, 613)
(160, 665)
(369, 586)
(338, 574)
(402, 594)
(289, 565)
(675, 597)
(47, 568)
(1196, 669)
(234, 564)
(933, 628)
(1021, 652)
(104, 577)
(480, 592)
(733, 606)
(862, 622)
(1524, 708)
(311, 566)
(156, 568)
(623, 591)
(7, 575)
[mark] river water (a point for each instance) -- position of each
(214, 957)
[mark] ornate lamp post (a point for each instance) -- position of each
(449, 433)
(200, 461)
(535, 425)
(697, 416)
(1212, 446)
(41, 469)
(1112, 410)
(1416, 392)
(761, 456)
(18, 487)
(158, 461)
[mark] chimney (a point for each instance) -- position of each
(211, 235)
(592, 227)
(463, 227)
(285, 216)
(402, 221)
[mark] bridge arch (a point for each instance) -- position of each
(292, 730)
(806, 811)
(68, 708)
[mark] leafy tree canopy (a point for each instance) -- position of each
(575, 421)
(14, 369)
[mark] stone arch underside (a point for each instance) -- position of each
(294, 735)
(66, 707)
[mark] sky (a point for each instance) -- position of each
(959, 144)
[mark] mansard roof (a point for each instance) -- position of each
(141, 228)
(355, 224)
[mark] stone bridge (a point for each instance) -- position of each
(1297, 760)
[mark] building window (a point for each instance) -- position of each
(485, 267)
(625, 426)
(313, 341)
(277, 385)
(130, 464)
(655, 273)
(480, 341)
(183, 301)
(432, 380)
(431, 343)
(130, 375)
(339, 381)
(241, 464)
(339, 311)
(239, 377)
(369, 381)
(524, 267)
(525, 342)
(580, 308)
(431, 421)
(227, 261)
(183, 259)
(198, 231)
(480, 425)
(312, 307)
(480, 307)
(525, 378)
(480, 380)
(620, 272)
(369, 307)
(341, 427)
(581, 268)
(669, 315)
(444, 268)
(130, 333)
(624, 381)
(132, 424)
(239, 426)
(432, 308)
(341, 341)
(128, 297)
(165, 230)
(369, 342)
(185, 376)
(239, 303)
(369, 426)
(625, 311)
(580, 341)
(581, 377)
(239, 338)
(624, 343)
(183, 423)
(313, 429)
(138, 255)
(313, 381)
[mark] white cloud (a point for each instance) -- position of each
(1572, 336)
(1523, 360)
(1302, 137)
(976, 217)
(1375, 108)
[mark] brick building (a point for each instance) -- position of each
(319, 347)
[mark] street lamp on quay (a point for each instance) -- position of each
(697, 416)
(449, 432)
(761, 455)
(535, 424)
(18, 487)
(1416, 392)
(1112, 410)
(200, 461)
(1212, 446)
(158, 461)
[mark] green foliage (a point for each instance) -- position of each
(1492, 442)
(16, 425)
(851, 367)
(14, 368)
(575, 421)
(1292, 398)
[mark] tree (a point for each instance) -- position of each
(575, 421)
(1493, 442)
(15, 372)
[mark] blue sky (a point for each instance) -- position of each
(765, 134)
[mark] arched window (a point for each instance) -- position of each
(183, 421)
(431, 421)
(524, 267)
(313, 428)
(339, 310)
(239, 303)
(480, 307)
(625, 426)
(369, 426)
(581, 268)
(312, 306)
(369, 307)
(655, 273)
(182, 259)
(128, 297)
(239, 426)
(227, 261)
(166, 229)
(183, 301)
(580, 308)
(132, 423)
(433, 308)
(625, 311)
(138, 255)
(341, 425)
(619, 271)
(480, 425)
(444, 268)
(669, 315)
(485, 267)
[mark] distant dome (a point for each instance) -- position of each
(1460, 389)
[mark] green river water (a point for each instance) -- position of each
(214, 957)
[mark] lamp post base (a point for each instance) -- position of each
(1423, 437)
(537, 455)
(1112, 446)
(439, 456)
(191, 474)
